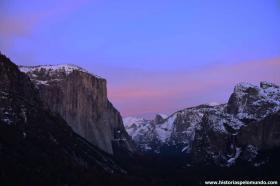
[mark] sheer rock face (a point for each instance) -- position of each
(81, 99)
(36, 145)
(264, 134)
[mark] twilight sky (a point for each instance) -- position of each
(157, 55)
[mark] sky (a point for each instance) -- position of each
(158, 56)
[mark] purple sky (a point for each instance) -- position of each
(157, 55)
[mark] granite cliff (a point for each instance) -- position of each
(37, 147)
(81, 99)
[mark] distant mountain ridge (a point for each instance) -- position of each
(210, 133)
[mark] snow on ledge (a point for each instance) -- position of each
(67, 68)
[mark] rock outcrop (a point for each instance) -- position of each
(81, 99)
(219, 134)
(250, 102)
(37, 147)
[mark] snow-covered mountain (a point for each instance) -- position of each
(210, 131)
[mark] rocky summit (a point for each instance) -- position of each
(81, 99)
(215, 134)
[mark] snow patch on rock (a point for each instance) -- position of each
(165, 129)
(232, 160)
(53, 69)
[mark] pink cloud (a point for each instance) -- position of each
(23, 22)
(170, 91)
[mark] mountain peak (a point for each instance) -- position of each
(243, 87)
(251, 101)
